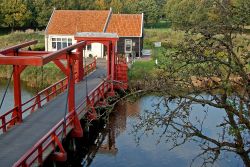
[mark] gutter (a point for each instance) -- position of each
(107, 21)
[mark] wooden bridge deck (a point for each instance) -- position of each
(18, 140)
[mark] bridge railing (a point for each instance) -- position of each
(90, 67)
(37, 101)
(46, 95)
(99, 92)
(7, 118)
(50, 140)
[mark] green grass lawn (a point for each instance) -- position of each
(140, 69)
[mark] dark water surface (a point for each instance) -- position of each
(114, 144)
(8, 104)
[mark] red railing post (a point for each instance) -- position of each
(47, 95)
(24, 164)
(54, 91)
(4, 124)
(39, 101)
(40, 154)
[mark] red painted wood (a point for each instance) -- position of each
(74, 60)
(17, 94)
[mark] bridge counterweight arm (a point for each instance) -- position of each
(36, 59)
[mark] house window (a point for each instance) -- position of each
(69, 41)
(128, 46)
(89, 47)
(59, 43)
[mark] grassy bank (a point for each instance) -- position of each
(36, 77)
(167, 36)
(10, 39)
(140, 69)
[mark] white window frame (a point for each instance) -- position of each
(60, 41)
(128, 42)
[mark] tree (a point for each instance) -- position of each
(16, 13)
(161, 4)
(213, 60)
(186, 13)
(130, 6)
(101, 4)
(59, 4)
(41, 11)
(150, 9)
(116, 6)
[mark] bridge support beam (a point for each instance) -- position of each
(17, 70)
(17, 94)
(79, 64)
(60, 156)
(77, 130)
(112, 68)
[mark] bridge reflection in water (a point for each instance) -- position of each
(99, 137)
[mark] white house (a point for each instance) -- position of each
(65, 24)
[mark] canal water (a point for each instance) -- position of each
(8, 104)
(113, 141)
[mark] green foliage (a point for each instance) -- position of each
(186, 13)
(150, 9)
(162, 24)
(209, 16)
(140, 69)
(22, 14)
(15, 13)
(116, 6)
(41, 77)
(168, 37)
(42, 12)
(101, 4)
(36, 76)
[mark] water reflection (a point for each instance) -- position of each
(114, 143)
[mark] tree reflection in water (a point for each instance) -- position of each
(180, 121)
(110, 142)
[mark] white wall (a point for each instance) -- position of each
(97, 49)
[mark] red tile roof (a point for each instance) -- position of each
(72, 21)
(126, 25)
(69, 22)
